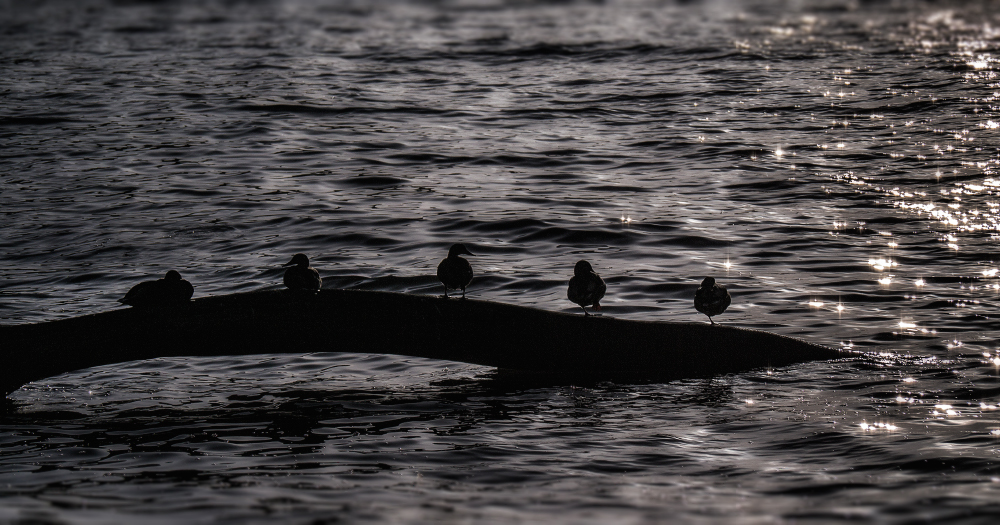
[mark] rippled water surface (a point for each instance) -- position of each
(832, 163)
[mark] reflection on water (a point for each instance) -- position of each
(832, 163)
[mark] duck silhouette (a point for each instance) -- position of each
(455, 272)
(301, 276)
(586, 287)
(711, 298)
(171, 290)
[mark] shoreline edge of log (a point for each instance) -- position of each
(472, 331)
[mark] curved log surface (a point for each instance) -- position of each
(467, 330)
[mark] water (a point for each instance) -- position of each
(832, 163)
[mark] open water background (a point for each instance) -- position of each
(831, 162)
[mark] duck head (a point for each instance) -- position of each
(582, 268)
(459, 249)
(299, 259)
(708, 282)
(172, 275)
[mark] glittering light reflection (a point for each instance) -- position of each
(982, 63)
(882, 264)
(920, 282)
(873, 427)
(945, 410)
(815, 304)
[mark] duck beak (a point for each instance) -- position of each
(289, 263)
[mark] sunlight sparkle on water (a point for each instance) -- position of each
(878, 426)
(906, 325)
(885, 281)
(946, 410)
(815, 304)
(882, 264)
(919, 282)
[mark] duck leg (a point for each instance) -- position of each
(585, 313)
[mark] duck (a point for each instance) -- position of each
(169, 291)
(586, 287)
(301, 276)
(711, 298)
(455, 272)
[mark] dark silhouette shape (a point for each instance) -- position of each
(301, 276)
(712, 299)
(506, 336)
(171, 290)
(586, 287)
(454, 271)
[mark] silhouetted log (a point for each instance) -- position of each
(470, 331)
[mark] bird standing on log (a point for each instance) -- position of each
(301, 276)
(586, 287)
(171, 290)
(455, 272)
(711, 298)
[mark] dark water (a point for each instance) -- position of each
(832, 163)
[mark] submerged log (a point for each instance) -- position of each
(471, 331)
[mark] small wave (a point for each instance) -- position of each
(33, 120)
(691, 241)
(371, 181)
(519, 226)
(577, 237)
